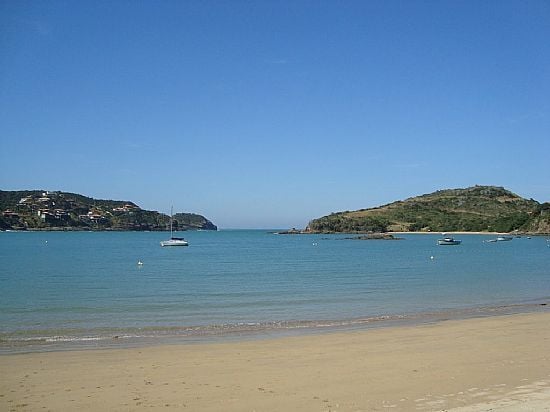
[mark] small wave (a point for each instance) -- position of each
(202, 333)
(74, 338)
(31, 339)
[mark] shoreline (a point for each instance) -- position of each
(20, 342)
(497, 363)
(277, 232)
(452, 232)
(521, 234)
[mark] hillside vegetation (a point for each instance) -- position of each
(41, 210)
(478, 208)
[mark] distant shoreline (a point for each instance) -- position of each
(303, 232)
(372, 236)
(75, 229)
(464, 233)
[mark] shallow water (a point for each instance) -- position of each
(86, 287)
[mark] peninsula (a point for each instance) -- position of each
(47, 210)
(474, 209)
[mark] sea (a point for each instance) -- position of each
(79, 290)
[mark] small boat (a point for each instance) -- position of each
(504, 238)
(448, 241)
(490, 241)
(173, 241)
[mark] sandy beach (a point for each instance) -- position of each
(497, 363)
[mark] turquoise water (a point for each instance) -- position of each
(58, 288)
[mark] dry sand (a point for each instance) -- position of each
(497, 363)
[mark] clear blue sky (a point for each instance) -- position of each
(271, 113)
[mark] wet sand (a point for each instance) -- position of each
(499, 363)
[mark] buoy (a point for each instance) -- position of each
(140, 262)
(431, 257)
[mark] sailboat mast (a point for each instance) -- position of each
(173, 241)
(171, 217)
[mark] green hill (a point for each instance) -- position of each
(478, 208)
(41, 210)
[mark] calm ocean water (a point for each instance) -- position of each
(86, 288)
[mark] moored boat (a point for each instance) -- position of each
(504, 238)
(173, 241)
(448, 241)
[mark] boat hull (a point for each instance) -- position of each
(174, 242)
(444, 242)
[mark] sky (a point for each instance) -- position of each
(267, 114)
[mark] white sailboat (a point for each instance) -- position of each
(174, 241)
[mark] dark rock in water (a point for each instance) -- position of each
(376, 236)
(292, 231)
